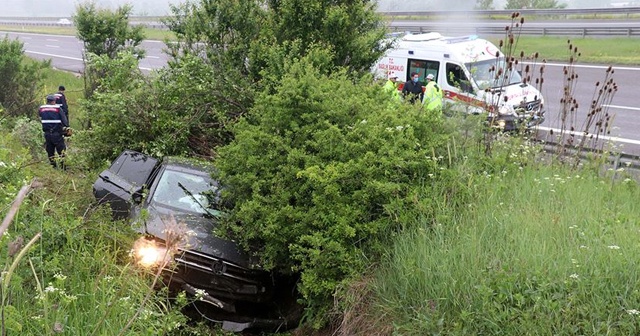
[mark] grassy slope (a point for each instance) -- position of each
(542, 249)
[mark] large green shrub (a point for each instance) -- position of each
(322, 171)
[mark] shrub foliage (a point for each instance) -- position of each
(321, 171)
(20, 81)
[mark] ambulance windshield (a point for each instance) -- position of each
(486, 74)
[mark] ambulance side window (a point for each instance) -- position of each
(423, 68)
(457, 78)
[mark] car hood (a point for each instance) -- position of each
(199, 234)
(515, 94)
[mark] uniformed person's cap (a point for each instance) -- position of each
(51, 97)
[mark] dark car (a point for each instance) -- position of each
(174, 197)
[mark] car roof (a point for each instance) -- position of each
(189, 163)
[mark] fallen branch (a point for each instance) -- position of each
(16, 204)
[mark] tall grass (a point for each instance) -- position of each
(78, 278)
(544, 250)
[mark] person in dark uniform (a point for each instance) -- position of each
(54, 123)
(61, 100)
(412, 89)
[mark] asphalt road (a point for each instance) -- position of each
(65, 53)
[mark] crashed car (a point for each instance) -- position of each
(171, 197)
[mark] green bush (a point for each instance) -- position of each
(20, 81)
(178, 111)
(321, 172)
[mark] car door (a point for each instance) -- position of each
(122, 183)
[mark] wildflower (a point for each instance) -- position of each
(364, 121)
(430, 175)
(126, 298)
(633, 312)
(627, 180)
(399, 128)
(50, 289)
(584, 246)
(60, 276)
(58, 327)
(2, 164)
(574, 276)
(573, 227)
(614, 247)
(200, 293)
(620, 169)
(70, 298)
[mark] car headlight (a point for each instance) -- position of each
(149, 253)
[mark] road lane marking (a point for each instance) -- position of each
(603, 137)
(70, 58)
(156, 57)
(51, 46)
(53, 55)
(622, 107)
(584, 66)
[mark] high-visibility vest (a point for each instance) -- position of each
(432, 100)
(391, 88)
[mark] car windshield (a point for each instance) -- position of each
(484, 74)
(184, 191)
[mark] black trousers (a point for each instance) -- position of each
(54, 142)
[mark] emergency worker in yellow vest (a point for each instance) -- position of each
(432, 100)
(391, 88)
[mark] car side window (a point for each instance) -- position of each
(457, 78)
(423, 68)
(133, 167)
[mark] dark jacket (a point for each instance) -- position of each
(61, 100)
(53, 119)
(412, 91)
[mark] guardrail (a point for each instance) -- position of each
(529, 31)
(594, 12)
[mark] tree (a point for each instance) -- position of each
(484, 4)
(246, 45)
(533, 4)
(105, 32)
(20, 80)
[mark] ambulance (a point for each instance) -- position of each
(472, 73)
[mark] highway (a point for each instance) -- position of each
(65, 52)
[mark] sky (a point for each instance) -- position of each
(65, 8)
